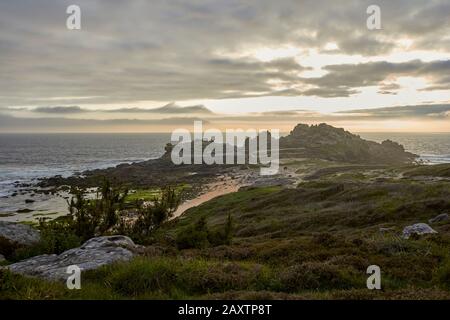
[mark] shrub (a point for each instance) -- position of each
(14, 286)
(201, 276)
(97, 216)
(193, 236)
(105, 214)
(442, 276)
(219, 237)
(175, 277)
(152, 216)
(141, 276)
(58, 236)
(316, 276)
(7, 248)
(200, 236)
(325, 239)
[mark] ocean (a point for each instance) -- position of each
(25, 158)
(433, 148)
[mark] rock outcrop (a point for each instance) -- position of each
(93, 254)
(439, 218)
(418, 228)
(335, 144)
(18, 233)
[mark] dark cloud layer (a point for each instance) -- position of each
(169, 109)
(59, 109)
(342, 79)
(419, 112)
(14, 124)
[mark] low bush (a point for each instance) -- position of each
(143, 276)
(151, 216)
(176, 277)
(193, 236)
(442, 276)
(317, 276)
(199, 236)
(57, 236)
(7, 248)
(14, 286)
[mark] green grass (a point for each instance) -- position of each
(146, 195)
(149, 278)
(172, 277)
(151, 194)
(439, 170)
(319, 206)
(323, 234)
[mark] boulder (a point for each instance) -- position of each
(2, 258)
(19, 233)
(418, 228)
(439, 218)
(93, 254)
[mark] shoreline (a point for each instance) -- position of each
(36, 202)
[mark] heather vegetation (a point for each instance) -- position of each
(313, 239)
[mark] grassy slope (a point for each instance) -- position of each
(314, 241)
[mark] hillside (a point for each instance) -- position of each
(311, 241)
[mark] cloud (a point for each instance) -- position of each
(59, 109)
(343, 80)
(16, 124)
(170, 108)
(169, 50)
(282, 118)
(389, 88)
(419, 111)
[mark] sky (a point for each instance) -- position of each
(153, 66)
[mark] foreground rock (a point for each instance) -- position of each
(93, 254)
(439, 218)
(19, 233)
(418, 228)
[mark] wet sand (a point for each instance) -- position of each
(50, 206)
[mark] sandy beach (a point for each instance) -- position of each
(211, 191)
